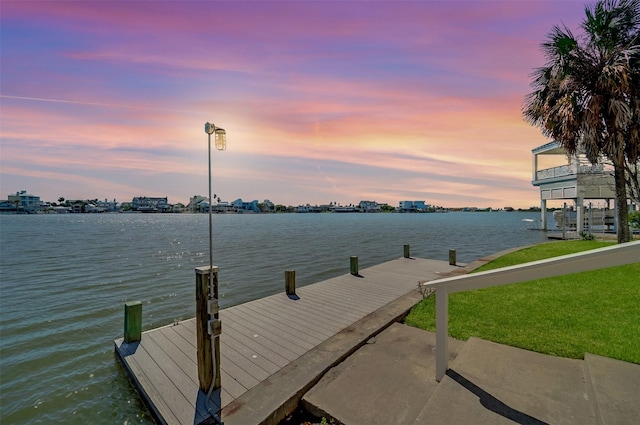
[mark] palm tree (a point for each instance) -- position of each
(587, 95)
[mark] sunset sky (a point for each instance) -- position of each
(322, 101)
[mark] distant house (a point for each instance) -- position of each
(99, 206)
(147, 204)
(369, 206)
(108, 206)
(267, 206)
(241, 206)
(21, 202)
(412, 206)
(93, 208)
(221, 207)
(308, 209)
(195, 203)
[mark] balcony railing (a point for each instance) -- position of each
(569, 170)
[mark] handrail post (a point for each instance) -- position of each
(442, 332)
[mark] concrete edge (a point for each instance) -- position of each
(279, 395)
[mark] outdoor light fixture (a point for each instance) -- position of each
(220, 136)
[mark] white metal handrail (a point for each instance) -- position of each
(616, 255)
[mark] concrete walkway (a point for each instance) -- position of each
(391, 381)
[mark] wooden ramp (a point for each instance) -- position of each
(261, 337)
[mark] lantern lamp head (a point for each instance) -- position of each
(221, 139)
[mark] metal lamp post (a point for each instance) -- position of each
(212, 321)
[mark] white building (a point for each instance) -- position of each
(240, 206)
(412, 206)
(572, 178)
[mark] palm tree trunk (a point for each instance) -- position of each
(621, 203)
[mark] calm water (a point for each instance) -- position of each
(65, 278)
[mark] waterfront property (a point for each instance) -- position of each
(150, 204)
(21, 202)
(270, 336)
(573, 178)
(412, 206)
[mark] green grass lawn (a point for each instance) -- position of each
(596, 312)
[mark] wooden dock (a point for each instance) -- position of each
(261, 337)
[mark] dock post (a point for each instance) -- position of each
(354, 265)
(452, 257)
(290, 282)
(207, 326)
(132, 321)
(406, 251)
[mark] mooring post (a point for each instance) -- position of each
(290, 282)
(132, 321)
(354, 265)
(452, 257)
(208, 325)
(406, 251)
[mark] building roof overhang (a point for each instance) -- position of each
(553, 147)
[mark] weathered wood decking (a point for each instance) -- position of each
(261, 337)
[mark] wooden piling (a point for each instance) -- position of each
(354, 265)
(132, 321)
(290, 282)
(207, 371)
(406, 251)
(452, 257)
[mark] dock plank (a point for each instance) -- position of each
(239, 381)
(169, 403)
(285, 313)
(180, 382)
(310, 313)
(261, 337)
(293, 332)
(268, 339)
(231, 390)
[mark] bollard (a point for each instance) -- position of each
(290, 282)
(406, 251)
(452, 257)
(354, 265)
(132, 321)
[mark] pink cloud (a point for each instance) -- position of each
(427, 87)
